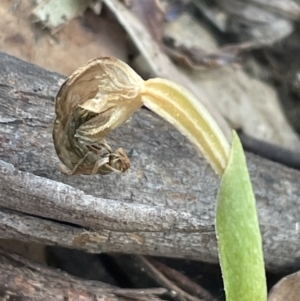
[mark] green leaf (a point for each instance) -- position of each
(239, 238)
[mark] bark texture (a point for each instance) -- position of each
(22, 280)
(164, 205)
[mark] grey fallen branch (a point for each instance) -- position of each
(23, 280)
(163, 206)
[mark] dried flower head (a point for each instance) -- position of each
(93, 101)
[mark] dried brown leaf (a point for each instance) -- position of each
(198, 58)
(151, 14)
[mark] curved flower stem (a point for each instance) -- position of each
(179, 107)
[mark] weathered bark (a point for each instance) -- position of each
(163, 206)
(23, 280)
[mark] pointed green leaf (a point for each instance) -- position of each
(239, 238)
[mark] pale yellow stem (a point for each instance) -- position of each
(180, 108)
